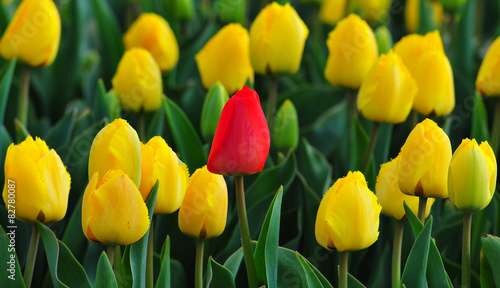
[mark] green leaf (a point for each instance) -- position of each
(164, 279)
(65, 270)
(5, 83)
(156, 124)
(416, 264)
(73, 234)
(487, 278)
(233, 262)
(491, 249)
(266, 253)
(311, 280)
(314, 167)
(10, 273)
(186, 139)
(138, 250)
(425, 17)
(21, 131)
(105, 277)
(479, 129)
(106, 104)
(123, 270)
(60, 134)
(353, 282)
(218, 275)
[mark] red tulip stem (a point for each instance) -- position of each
(245, 232)
(343, 262)
(370, 147)
(30, 261)
(24, 95)
(110, 251)
(271, 103)
(200, 245)
(495, 131)
(396, 254)
(422, 206)
(466, 251)
(149, 256)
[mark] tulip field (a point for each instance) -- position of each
(242, 143)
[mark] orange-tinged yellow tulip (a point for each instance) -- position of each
(352, 52)
(387, 92)
(488, 78)
(374, 10)
(152, 32)
(203, 212)
(226, 58)
(116, 147)
(390, 196)
(412, 11)
(473, 176)
(113, 211)
(348, 215)
(332, 11)
(275, 25)
(425, 159)
(33, 34)
(138, 81)
(36, 182)
(159, 162)
(412, 47)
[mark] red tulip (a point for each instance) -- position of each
(241, 141)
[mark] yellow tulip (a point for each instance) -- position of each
(138, 81)
(348, 215)
(113, 212)
(387, 92)
(33, 34)
(412, 47)
(412, 11)
(390, 196)
(488, 78)
(473, 176)
(159, 162)
(203, 212)
(352, 52)
(274, 26)
(332, 11)
(374, 10)
(36, 182)
(152, 32)
(116, 147)
(425, 159)
(226, 58)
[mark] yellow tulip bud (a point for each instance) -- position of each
(203, 212)
(374, 10)
(113, 212)
(390, 196)
(116, 147)
(348, 215)
(412, 47)
(352, 52)
(412, 11)
(387, 92)
(473, 176)
(159, 162)
(138, 81)
(36, 182)
(274, 26)
(488, 78)
(33, 34)
(226, 58)
(332, 11)
(152, 32)
(425, 159)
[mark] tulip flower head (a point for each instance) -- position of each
(226, 58)
(113, 211)
(473, 176)
(116, 147)
(425, 159)
(348, 215)
(390, 196)
(352, 52)
(488, 78)
(40, 179)
(203, 212)
(241, 142)
(332, 11)
(275, 25)
(138, 81)
(151, 32)
(387, 92)
(160, 163)
(33, 34)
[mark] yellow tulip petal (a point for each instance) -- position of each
(332, 11)
(488, 78)
(87, 206)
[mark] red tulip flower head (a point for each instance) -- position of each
(241, 141)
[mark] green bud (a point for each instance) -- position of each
(184, 9)
(230, 10)
(384, 39)
(212, 108)
(286, 127)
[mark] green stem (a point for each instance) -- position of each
(142, 127)
(200, 245)
(495, 131)
(22, 114)
(149, 259)
(353, 107)
(343, 257)
(271, 102)
(422, 203)
(466, 251)
(30, 261)
(245, 232)
(110, 251)
(396, 254)
(414, 119)
(370, 147)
